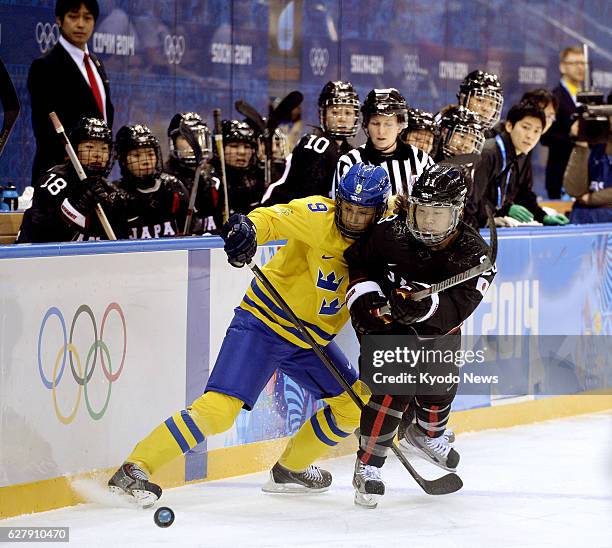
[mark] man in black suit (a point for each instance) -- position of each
(560, 138)
(67, 80)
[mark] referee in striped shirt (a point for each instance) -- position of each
(385, 115)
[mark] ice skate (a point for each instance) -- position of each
(436, 450)
(311, 480)
(132, 480)
(405, 423)
(368, 484)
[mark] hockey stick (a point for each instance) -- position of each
(221, 154)
(187, 133)
(283, 110)
(457, 279)
(441, 486)
(253, 117)
(10, 105)
(108, 229)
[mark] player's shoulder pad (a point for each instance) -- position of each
(172, 182)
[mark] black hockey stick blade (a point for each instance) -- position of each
(189, 136)
(447, 484)
(253, 117)
(283, 110)
(10, 105)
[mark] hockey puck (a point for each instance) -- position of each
(163, 517)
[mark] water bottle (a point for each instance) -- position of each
(9, 198)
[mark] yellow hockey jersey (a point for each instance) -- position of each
(309, 271)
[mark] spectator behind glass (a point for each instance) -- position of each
(63, 81)
(588, 178)
(559, 139)
(545, 101)
(501, 180)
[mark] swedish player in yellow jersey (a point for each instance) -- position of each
(312, 276)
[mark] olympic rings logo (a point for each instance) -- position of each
(69, 349)
(174, 48)
(319, 59)
(47, 35)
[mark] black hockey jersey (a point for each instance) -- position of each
(158, 211)
(390, 256)
(245, 188)
(309, 170)
(402, 165)
(207, 213)
(45, 222)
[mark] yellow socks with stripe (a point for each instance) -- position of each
(323, 430)
(211, 413)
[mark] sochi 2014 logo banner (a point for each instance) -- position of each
(75, 364)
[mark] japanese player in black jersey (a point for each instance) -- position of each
(424, 243)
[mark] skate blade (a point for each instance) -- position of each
(143, 499)
(410, 450)
(290, 489)
(366, 500)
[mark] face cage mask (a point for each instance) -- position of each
(348, 132)
(95, 170)
(231, 155)
(426, 237)
(478, 140)
(186, 157)
(420, 142)
(280, 148)
(352, 233)
(142, 181)
(497, 100)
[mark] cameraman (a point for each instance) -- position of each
(588, 176)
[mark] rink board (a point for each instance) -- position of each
(146, 320)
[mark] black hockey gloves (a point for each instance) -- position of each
(406, 311)
(89, 192)
(364, 313)
(240, 239)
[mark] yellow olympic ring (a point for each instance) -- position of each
(58, 359)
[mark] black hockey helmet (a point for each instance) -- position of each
(339, 93)
(236, 131)
(462, 132)
(482, 93)
(439, 194)
(93, 129)
(134, 137)
(420, 120)
(384, 102)
(194, 122)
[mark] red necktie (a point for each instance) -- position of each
(94, 85)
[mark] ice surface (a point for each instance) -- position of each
(547, 484)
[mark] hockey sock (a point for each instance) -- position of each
(432, 417)
(379, 422)
(211, 413)
(325, 429)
